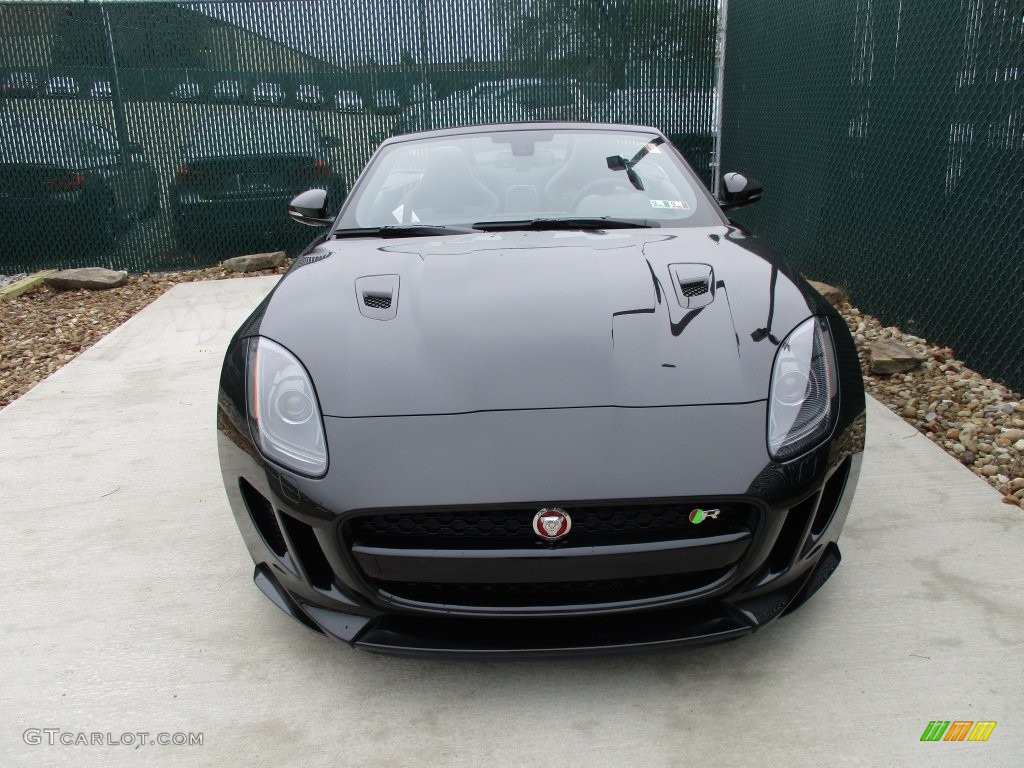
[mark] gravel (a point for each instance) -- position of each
(43, 329)
(8, 279)
(976, 420)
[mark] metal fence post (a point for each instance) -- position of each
(120, 121)
(716, 162)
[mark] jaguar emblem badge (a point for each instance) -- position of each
(551, 523)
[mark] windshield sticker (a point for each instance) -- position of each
(400, 210)
(677, 205)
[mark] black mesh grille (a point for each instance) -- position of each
(831, 495)
(557, 593)
(377, 302)
(594, 525)
(263, 517)
(504, 527)
(307, 551)
(698, 288)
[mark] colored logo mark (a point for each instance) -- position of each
(958, 730)
(698, 515)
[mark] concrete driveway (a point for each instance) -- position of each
(128, 606)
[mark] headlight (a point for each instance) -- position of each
(283, 409)
(805, 390)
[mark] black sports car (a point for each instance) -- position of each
(533, 393)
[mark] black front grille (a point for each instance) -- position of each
(492, 528)
(414, 534)
(550, 594)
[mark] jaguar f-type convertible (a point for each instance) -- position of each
(532, 392)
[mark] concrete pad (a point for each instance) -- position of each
(128, 606)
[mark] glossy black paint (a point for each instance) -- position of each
(585, 319)
(739, 190)
(530, 369)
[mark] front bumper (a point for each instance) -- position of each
(559, 636)
(317, 559)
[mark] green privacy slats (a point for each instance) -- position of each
(889, 136)
(181, 77)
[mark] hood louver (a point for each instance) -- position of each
(310, 258)
(694, 284)
(377, 296)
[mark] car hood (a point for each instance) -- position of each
(529, 320)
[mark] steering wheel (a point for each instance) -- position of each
(612, 185)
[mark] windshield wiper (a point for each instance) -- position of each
(570, 222)
(401, 230)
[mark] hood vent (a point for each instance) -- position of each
(698, 288)
(377, 296)
(310, 258)
(694, 284)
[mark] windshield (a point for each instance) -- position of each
(514, 175)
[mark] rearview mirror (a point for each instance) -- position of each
(310, 207)
(739, 190)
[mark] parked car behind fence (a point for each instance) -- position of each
(348, 101)
(228, 92)
(268, 93)
(19, 85)
(62, 86)
(309, 96)
(72, 181)
(238, 173)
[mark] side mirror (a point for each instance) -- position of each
(310, 207)
(739, 190)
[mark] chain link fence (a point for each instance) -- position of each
(155, 136)
(889, 136)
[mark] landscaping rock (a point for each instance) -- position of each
(254, 261)
(832, 294)
(89, 278)
(889, 356)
